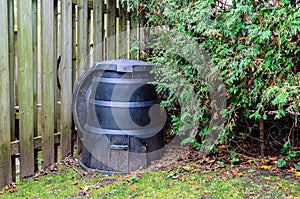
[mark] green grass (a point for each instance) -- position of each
(176, 183)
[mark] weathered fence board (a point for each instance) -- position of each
(57, 54)
(35, 73)
(134, 39)
(111, 30)
(83, 45)
(74, 43)
(5, 120)
(41, 42)
(35, 59)
(66, 78)
(98, 30)
(26, 87)
(89, 2)
(83, 36)
(11, 38)
(123, 27)
(49, 82)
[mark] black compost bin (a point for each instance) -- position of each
(117, 116)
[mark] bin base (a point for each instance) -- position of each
(104, 172)
(109, 154)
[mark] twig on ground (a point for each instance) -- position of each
(72, 166)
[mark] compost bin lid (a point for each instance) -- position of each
(123, 65)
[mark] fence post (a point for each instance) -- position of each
(26, 87)
(5, 128)
(66, 78)
(49, 83)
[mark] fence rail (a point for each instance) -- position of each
(44, 46)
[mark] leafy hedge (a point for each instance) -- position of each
(254, 46)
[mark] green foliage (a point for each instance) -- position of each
(292, 154)
(297, 166)
(281, 162)
(285, 147)
(234, 158)
(254, 45)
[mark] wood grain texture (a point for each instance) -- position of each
(83, 36)
(98, 30)
(26, 87)
(5, 119)
(49, 83)
(134, 37)
(123, 32)
(12, 53)
(66, 78)
(111, 30)
(83, 46)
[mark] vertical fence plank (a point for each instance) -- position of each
(66, 80)
(49, 83)
(123, 35)
(74, 43)
(83, 45)
(35, 72)
(11, 38)
(83, 35)
(98, 30)
(134, 38)
(111, 30)
(5, 158)
(26, 87)
(90, 38)
(55, 71)
(74, 56)
(35, 58)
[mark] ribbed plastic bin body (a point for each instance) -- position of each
(117, 115)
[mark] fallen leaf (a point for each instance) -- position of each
(86, 188)
(10, 188)
(187, 168)
(265, 167)
(223, 179)
(297, 174)
(293, 170)
(183, 179)
(267, 179)
(132, 188)
(222, 147)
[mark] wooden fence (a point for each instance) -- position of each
(44, 46)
